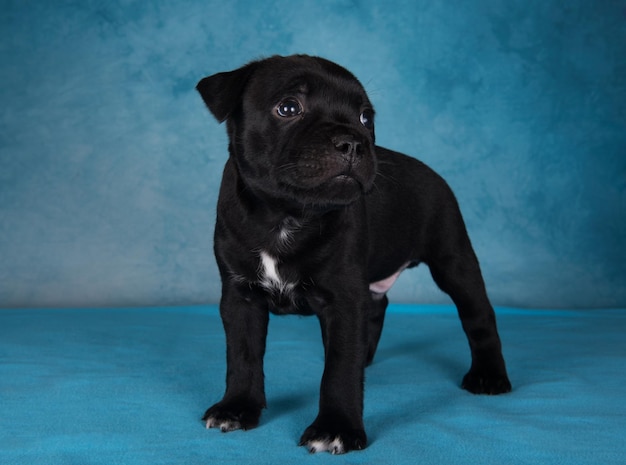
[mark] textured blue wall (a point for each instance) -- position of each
(110, 163)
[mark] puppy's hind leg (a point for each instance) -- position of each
(459, 275)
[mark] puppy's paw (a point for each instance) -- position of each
(232, 416)
(478, 382)
(326, 437)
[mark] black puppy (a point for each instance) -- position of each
(315, 219)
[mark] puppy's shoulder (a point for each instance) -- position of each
(400, 166)
(406, 185)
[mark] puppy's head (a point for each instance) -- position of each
(301, 129)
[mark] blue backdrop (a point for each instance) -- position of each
(110, 163)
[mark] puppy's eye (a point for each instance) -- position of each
(367, 119)
(289, 108)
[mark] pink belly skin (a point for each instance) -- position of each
(382, 286)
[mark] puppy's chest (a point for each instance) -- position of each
(280, 263)
(275, 277)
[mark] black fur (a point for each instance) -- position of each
(306, 189)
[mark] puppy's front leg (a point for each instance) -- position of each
(338, 427)
(245, 324)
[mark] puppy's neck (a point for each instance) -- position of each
(280, 208)
(284, 234)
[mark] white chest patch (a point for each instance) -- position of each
(270, 279)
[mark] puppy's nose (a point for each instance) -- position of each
(347, 146)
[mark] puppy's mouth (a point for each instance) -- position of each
(340, 188)
(345, 177)
(348, 180)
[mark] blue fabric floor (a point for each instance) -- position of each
(128, 386)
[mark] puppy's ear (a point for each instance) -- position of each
(222, 92)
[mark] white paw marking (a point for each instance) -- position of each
(334, 447)
(225, 425)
